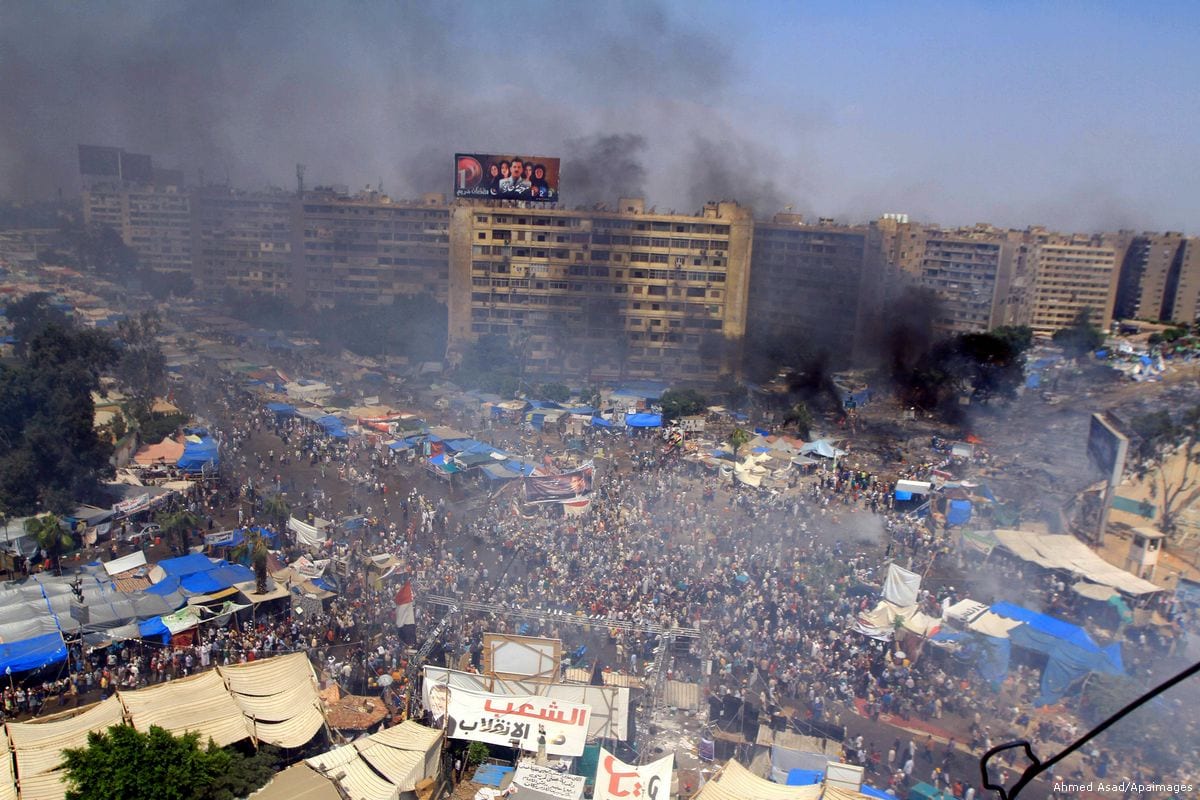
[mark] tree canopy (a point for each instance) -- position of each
(50, 452)
(1167, 449)
(1080, 337)
(123, 763)
(678, 403)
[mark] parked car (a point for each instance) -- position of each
(145, 535)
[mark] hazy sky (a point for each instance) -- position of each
(1078, 116)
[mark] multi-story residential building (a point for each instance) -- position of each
(971, 270)
(148, 206)
(811, 283)
(1160, 278)
(604, 295)
(1071, 274)
(242, 240)
(369, 247)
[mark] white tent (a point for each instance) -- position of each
(1068, 553)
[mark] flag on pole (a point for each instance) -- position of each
(406, 618)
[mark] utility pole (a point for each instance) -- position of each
(300, 181)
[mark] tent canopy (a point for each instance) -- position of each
(644, 420)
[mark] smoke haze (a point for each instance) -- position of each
(677, 103)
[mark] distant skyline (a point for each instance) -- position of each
(1077, 116)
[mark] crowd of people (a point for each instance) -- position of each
(774, 580)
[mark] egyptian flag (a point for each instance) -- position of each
(406, 618)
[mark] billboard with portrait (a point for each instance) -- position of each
(512, 177)
(563, 488)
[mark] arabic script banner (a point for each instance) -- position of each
(569, 486)
(497, 719)
(549, 781)
(616, 780)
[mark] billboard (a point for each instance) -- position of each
(1107, 447)
(512, 656)
(527, 720)
(569, 486)
(484, 176)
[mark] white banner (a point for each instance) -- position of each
(616, 780)
(495, 719)
(549, 781)
(609, 704)
(132, 505)
(306, 534)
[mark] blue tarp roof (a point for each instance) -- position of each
(582, 410)
(1058, 628)
(958, 513)
(400, 444)
(601, 422)
(643, 420)
(187, 565)
(153, 627)
(544, 404)
(197, 454)
(281, 408)
(804, 777)
(871, 791)
(34, 653)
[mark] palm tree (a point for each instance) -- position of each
(50, 536)
(277, 510)
(178, 523)
(803, 418)
(737, 440)
(254, 545)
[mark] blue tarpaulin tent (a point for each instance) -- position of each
(197, 455)
(34, 653)
(333, 426)
(804, 777)
(283, 409)
(154, 628)
(643, 420)
(958, 513)
(186, 565)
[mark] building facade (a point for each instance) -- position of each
(603, 295)
(971, 271)
(1072, 274)
(811, 284)
(149, 207)
(242, 240)
(369, 248)
(1160, 278)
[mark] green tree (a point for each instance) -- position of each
(29, 316)
(50, 451)
(476, 753)
(277, 510)
(178, 524)
(1019, 337)
(51, 537)
(678, 403)
(555, 392)
(1167, 449)
(802, 417)
(1080, 337)
(142, 369)
(123, 763)
(737, 440)
(254, 550)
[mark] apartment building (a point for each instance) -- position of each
(812, 283)
(604, 295)
(971, 270)
(242, 240)
(1072, 275)
(148, 206)
(1159, 278)
(369, 247)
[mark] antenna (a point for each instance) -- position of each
(300, 180)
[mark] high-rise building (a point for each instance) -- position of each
(603, 295)
(1159, 278)
(1071, 274)
(370, 248)
(242, 240)
(811, 283)
(149, 207)
(971, 270)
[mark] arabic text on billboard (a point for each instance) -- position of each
(526, 720)
(512, 177)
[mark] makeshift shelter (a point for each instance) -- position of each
(735, 782)
(823, 448)
(643, 421)
(1071, 651)
(1068, 553)
(279, 698)
(168, 451)
(199, 453)
(384, 764)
